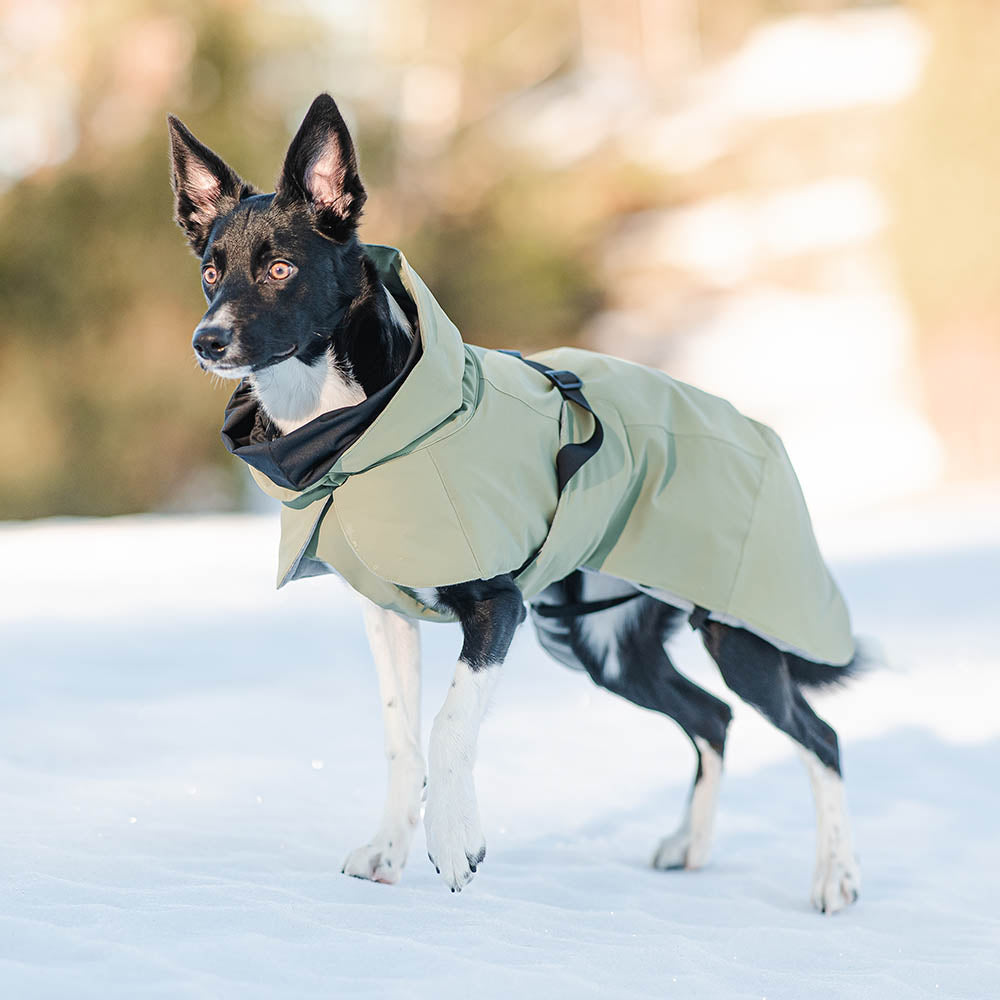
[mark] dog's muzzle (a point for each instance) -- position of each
(211, 342)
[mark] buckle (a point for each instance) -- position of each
(564, 381)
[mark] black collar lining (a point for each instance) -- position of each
(300, 459)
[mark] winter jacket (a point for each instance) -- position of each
(451, 477)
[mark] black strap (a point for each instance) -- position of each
(577, 608)
(698, 617)
(571, 457)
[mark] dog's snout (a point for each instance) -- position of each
(210, 342)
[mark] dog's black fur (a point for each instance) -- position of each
(332, 299)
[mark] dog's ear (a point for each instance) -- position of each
(204, 186)
(322, 169)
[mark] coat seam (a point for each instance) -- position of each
(705, 437)
(746, 537)
(523, 402)
(458, 517)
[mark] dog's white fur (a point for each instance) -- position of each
(690, 845)
(602, 632)
(837, 879)
(292, 393)
(454, 835)
(395, 645)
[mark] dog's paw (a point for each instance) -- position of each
(683, 849)
(380, 860)
(836, 883)
(679, 851)
(455, 842)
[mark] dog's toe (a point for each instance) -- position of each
(671, 852)
(381, 860)
(454, 838)
(836, 884)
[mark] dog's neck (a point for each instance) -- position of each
(364, 356)
(293, 393)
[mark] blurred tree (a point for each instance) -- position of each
(106, 411)
(947, 227)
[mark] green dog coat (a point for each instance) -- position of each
(453, 478)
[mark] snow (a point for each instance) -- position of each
(186, 757)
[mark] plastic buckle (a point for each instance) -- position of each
(564, 381)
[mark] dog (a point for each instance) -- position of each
(322, 341)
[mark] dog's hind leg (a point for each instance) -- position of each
(689, 845)
(648, 678)
(759, 673)
(837, 877)
(622, 650)
(395, 645)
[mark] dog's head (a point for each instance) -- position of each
(279, 270)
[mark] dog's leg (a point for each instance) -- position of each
(649, 678)
(759, 674)
(622, 649)
(837, 878)
(489, 612)
(690, 844)
(395, 644)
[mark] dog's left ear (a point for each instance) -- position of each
(322, 169)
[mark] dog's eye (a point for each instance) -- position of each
(280, 270)
(210, 275)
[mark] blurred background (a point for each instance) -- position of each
(790, 203)
(787, 202)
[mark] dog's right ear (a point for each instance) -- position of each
(204, 186)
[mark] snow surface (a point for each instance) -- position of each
(187, 757)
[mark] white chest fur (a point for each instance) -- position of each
(292, 393)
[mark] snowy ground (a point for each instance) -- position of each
(186, 758)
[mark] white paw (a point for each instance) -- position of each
(672, 851)
(681, 850)
(380, 860)
(836, 883)
(455, 842)
(383, 858)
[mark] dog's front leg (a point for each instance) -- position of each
(395, 644)
(489, 612)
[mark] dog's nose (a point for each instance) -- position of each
(210, 342)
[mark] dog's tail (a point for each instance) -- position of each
(808, 673)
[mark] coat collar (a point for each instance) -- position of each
(349, 440)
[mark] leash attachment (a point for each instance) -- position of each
(571, 457)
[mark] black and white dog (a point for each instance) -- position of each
(296, 308)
